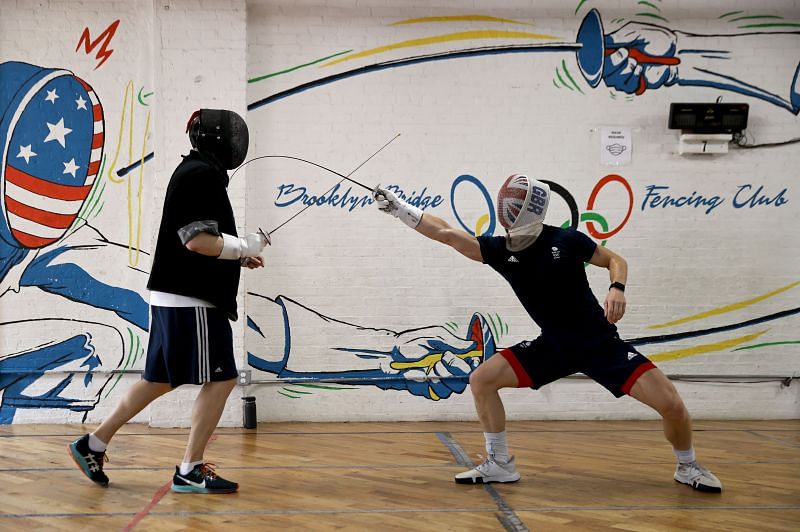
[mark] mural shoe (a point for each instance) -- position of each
(490, 471)
(201, 479)
(89, 461)
(698, 477)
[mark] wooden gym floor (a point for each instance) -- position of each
(576, 475)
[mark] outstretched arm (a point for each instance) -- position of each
(614, 305)
(429, 225)
(437, 229)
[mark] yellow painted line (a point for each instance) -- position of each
(704, 348)
(428, 361)
(481, 222)
(728, 308)
(458, 18)
(134, 211)
(433, 394)
(458, 36)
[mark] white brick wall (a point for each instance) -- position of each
(488, 117)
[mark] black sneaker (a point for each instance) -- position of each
(90, 462)
(201, 479)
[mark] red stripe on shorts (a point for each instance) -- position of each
(523, 378)
(644, 366)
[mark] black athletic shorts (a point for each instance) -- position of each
(614, 364)
(189, 345)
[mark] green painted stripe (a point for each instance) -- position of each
(321, 387)
(287, 395)
(492, 325)
(253, 80)
(298, 391)
(99, 183)
(773, 25)
(556, 84)
(91, 213)
(652, 15)
(756, 17)
(562, 81)
(730, 13)
(649, 4)
(89, 199)
(767, 344)
(566, 71)
(579, 6)
(139, 349)
(500, 323)
(100, 209)
(125, 364)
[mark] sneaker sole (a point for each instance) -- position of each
(76, 458)
(481, 480)
(192, 489)
(701, 487)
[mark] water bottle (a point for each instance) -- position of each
(250, 420)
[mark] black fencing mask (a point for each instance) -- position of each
(220, 133)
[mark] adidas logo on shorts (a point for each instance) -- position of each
(512, 258)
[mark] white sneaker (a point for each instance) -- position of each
(698, 477)
(490, 471)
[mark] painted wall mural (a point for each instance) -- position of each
(77, 311)
(434, 362)
(75, 205)
(629, 57)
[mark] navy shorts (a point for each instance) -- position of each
(189, 345)
(614, 364)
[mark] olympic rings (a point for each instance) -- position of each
(564, 193)
(593, 196)
(486, 196)
(591, 216)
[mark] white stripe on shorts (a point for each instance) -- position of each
(207, 361)
(201, 317)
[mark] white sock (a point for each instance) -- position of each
(96, 444)
(496, 445)
(685, 457)
(186, 467)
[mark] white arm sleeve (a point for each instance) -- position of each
(231, 247)
(235, 248)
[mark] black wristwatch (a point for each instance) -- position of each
(619, 286)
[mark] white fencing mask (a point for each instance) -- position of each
(521, 206)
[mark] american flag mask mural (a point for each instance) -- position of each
(51, 134)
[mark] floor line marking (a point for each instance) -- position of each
(351, 433)
(374, 466)
(352, 511)
(773, 439)
(163, 490)
(506, 516)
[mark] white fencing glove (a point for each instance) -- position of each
(250, 245)
(389, 203)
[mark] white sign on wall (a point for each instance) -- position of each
(615, 145)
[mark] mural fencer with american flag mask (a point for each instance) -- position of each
(545, 267)
(52, 131)
(193, 285)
